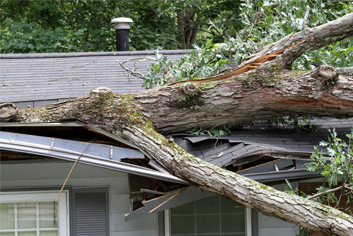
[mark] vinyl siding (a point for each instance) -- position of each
(52, 174)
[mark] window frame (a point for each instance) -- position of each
(43, 196)
(247, 216)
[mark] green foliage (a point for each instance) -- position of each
(75, 26)
(154, 25)
(225, 14)
(289, 189)
(295, 122)
(71, 26)
(196, 64)
(267, 22)
(219, 132)
(56, 26)
(339, 163)
(336, 165)
(262, 23)
(30, 38)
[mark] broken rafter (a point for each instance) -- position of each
(152, 191)
(176, 194)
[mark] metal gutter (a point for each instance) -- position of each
(49, 124)
(75, 123)
(78, 123)
(108, 152)
(68, 150)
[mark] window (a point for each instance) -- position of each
(33, 214)
(212, 216)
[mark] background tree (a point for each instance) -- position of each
(56, 26)
(69, 26)
(202, 20)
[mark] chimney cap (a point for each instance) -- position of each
(121, 23)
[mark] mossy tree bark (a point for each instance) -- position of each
(267, 91)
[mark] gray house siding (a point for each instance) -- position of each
(52, 174)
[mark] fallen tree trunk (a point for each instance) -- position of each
(264, 91)
(267, 92)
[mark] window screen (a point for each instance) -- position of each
(212, 216)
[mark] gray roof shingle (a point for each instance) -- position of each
(44, 78)
(262, 138)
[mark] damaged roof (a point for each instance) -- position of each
(248, 147)
(261, 152)
(94, 152)
(31, 80)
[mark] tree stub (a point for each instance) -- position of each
(7, 111)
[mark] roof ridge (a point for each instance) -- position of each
(89, 54)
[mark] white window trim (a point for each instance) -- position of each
(167, 222)
(248, 222)
(25, 196)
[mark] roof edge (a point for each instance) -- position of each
(89, 54)
(45, 146)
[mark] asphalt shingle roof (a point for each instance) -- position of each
(44, 78)
(248, 141)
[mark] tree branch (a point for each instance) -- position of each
(212, 24)
(313, 39)
(142, 76)
(329, 191)
(305, 27)
(345, 71)
(347, 187)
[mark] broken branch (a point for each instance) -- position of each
(72, 168)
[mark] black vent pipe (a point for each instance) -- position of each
(122, 29)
